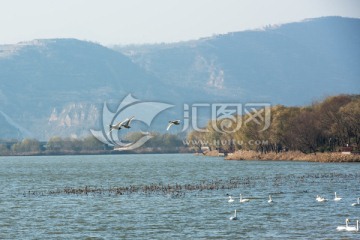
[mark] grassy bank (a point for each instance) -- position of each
(294, 156)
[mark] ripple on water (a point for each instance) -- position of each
(197, 214)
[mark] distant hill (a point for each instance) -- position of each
(291, 64)
(58, 86)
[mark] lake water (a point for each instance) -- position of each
(33, 204)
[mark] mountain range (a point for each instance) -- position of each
(58, 87)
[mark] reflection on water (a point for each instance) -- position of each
(34, 205)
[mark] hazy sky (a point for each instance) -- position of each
(150, 21)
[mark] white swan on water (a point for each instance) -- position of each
(337, 198)
(349, 228)
(343, 228)
(353, 228)
(270, 199)
(242, 200)
(234, 217)
(357, 203)
(320, 199)
(231, 199)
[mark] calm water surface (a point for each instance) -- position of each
(193, 215)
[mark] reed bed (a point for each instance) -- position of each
(294, 156)
(179, 190)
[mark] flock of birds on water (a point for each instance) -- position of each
(345, 227)
(126, 124)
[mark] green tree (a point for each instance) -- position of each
(55, 144)
(331, 121)
(305, 131)
(196, 140)
(171, 141)
(4, 150)
(91, 143)
(350, 118)
(26, 146)
(280, 131)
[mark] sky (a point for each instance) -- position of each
(111, 22)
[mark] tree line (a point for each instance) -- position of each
(323, 126)
(54, 145)
(57, 145)
(159, 142)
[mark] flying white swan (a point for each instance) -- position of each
(349, 228)
(119, 125)
(320, 199)
(173, 122)
(234, 217)
(231, 199)
(357, 203)
(337, 198)
(270, 199)
(242, 200)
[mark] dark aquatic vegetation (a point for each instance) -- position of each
(179, 190)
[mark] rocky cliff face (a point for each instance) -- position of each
(74, 120)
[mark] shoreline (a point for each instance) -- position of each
(240, 155)
(333, 157)
(104, 152)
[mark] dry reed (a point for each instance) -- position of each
(294, 156)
